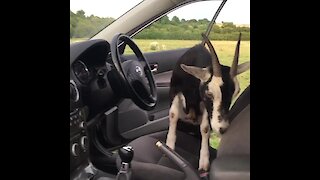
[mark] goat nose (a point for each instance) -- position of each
(222, 130)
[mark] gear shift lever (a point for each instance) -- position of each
(126, 155)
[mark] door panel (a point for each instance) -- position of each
(134, 122)
(165, 59)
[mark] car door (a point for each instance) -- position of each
(162, 56)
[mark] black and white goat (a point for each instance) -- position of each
(201, 91)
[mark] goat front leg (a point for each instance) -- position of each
(173, 120)
(205, 134)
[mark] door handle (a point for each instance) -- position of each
(154, 67)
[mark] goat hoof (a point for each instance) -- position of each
(170, 145)
(203, 165)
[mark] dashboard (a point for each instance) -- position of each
(92, 80)
(95, 89)
(92, 87)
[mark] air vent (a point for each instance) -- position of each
(74, 93)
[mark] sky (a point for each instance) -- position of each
(236, 11)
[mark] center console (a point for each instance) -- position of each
(79, 144)
(78, 138)
(81, 167)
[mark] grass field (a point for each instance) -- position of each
(73, 40)
(224, 49)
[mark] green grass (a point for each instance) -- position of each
(214, 140)
(73, 40)
(224, 49)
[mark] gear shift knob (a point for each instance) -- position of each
(126, 154)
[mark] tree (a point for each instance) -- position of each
(164, 20)
(204, 21)
(175, 20)
(228, 25)
(192, 21)
(82, 26)
(216, 28)
(81, 14)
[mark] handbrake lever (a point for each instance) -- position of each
(185, 166)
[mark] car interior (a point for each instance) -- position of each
(119, 120)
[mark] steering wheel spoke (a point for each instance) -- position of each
(136, 74)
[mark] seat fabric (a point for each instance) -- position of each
(150, 163)
(233, 157)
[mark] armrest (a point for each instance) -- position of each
(163, 79)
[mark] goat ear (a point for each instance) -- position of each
(201, 73)
(243, 67)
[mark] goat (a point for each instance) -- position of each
(201, 91)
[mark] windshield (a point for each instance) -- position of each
(88, 17)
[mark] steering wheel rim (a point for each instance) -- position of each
(133, 82)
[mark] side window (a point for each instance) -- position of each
(182, 28)
(178, 29)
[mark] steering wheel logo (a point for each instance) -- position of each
(139, 70)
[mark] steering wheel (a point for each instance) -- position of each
(135, 74)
